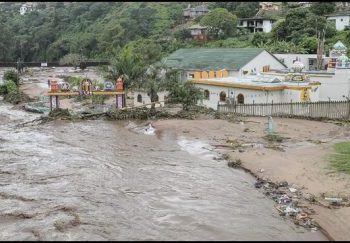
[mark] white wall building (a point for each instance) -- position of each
(255, 89)
(309, 60)
(141, 98)
(27, 7)
(256, 24)
(341, 20)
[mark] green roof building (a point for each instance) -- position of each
(236, 61)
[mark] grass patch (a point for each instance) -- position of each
(274, 138)
(341, 159)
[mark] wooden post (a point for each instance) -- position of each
(116, 101)
(253, 108)
(57, 103)
(348, 109)
(50, 103)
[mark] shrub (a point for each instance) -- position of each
(11, 87)
(3, 89)
(12, 75)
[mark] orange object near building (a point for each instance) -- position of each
(205, 74)
(197, 75)
(54, 86)
(211, 74)
(120, 84)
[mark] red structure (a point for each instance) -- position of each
(54, 86)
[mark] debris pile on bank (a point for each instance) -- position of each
(289, 202)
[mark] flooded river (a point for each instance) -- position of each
(98, 180)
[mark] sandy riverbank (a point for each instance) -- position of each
(304, 161)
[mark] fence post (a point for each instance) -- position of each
(348, 109)
(253, 108)
(271, 107)
(291, 107)
(218, 107)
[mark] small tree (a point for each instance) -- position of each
(72, 59)
(153, 82)
(12, 75)
(185, 93)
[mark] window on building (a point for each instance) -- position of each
(139, 98)
(206, 94)
(240, 99)
(222, 96)
(341, 20)
(156, 98)
(191, 75)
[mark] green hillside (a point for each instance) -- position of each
(149, 30)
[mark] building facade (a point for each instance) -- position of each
(192, 13)
(341, 20)
(258, 89)
(141, 98)
(309, 60)
(256, 24)
(198, 32)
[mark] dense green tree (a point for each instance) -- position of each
(322, 8)
(220, 23)
(185, 93)
(310, 44)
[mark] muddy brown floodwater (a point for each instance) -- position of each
(98, 180)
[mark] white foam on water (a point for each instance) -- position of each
(197, 148)
(149, 130)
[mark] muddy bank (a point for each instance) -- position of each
(300, 159)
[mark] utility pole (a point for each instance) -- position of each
(320, 48)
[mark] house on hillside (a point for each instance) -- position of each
(341, 20)
(270, 5)
(342, 5)
(256, 24)
(192, 13)
(198, 32)
(198, 63)
(27, 7)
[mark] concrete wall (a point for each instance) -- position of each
(267, 26)
(340, 21)
(263, 59)
(146, 99)
(333, 86)
(258, 96)
(304, 58)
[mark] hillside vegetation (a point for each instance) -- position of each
(149, 30)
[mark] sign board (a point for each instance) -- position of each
(304, 95)
(44, 64)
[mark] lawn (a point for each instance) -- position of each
(340, 160)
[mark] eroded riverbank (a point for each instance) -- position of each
(301, 160)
